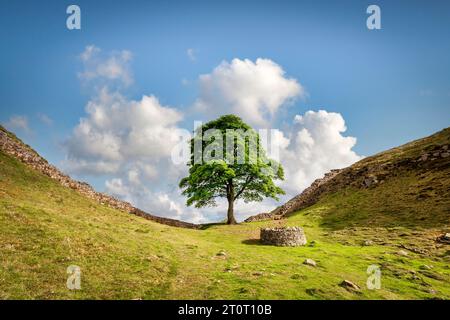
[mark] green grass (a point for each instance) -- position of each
(44, 228)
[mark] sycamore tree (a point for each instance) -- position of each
(228, 161)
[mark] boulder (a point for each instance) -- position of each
(221, 253)
(349, 285)
(310, 262)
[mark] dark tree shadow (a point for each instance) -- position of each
(254, 242)
(209, 225)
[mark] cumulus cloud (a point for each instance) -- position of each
(17, 122)
(92, 167)
(166, 203)
(115, 187)
(106, 67)
(314, 146)
(117, 131)
(191, 54)
(131, 142)
(254, 91)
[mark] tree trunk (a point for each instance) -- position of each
(230, 212)
(230, 197)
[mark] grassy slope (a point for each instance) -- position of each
(44, 228)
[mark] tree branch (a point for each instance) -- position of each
(247, 181)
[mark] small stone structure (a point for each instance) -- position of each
(287, 237)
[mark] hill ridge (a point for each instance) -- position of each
(432, 152)
(13, 146)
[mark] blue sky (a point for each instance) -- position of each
(390, 85)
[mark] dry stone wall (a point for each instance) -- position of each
(286, 237)
(367, 173)
(308, 197)
(12, 146)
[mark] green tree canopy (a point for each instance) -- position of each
(227, 160)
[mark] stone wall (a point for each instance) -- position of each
(286, 237)
(12, 146)
(262, 216)
(308, 197)
(367, 173)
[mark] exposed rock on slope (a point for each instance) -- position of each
(430, 153)
(12, 146)
(308, 197)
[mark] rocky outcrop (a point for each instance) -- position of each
(285, 237)
(437, 153)
(417, 156)
(310, 262)
(12, 146)
(349, 285)
(445, 238)
(308, 197)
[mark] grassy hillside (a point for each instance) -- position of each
(412, 188)
(44, 228)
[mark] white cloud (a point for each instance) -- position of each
(131, 141)
(191, 54)
(17, 122)
(314, 146)
(100, 67)
(45, 119)
(89, 52)
(148, 171)
(116, 188)
(254, 91)
(93, 167)
(133, 177)
(168, 204)
(118, 132)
